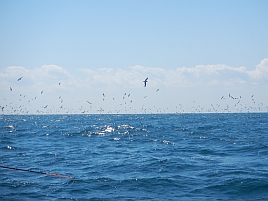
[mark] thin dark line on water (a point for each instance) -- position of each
(38, 172)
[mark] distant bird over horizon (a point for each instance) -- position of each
(145, 81)
(20, 78)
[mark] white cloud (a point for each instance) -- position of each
(134, 75)
(51, 72)
(261, 71)
(12, 72)
(90, 84)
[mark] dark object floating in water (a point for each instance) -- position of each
(39, 172)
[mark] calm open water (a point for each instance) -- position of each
(134, 157)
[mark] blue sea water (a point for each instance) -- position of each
(134, 157)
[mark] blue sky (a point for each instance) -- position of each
(194, 52)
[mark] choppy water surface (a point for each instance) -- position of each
(134, 157)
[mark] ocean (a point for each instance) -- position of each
(221, 156)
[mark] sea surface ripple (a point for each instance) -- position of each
(134, 157)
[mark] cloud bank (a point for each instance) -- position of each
(132, 76)
(177, 85)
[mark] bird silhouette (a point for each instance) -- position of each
(145, 81)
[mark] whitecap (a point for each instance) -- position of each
(116, 138)
(168, 142)
(109, 129)
(101, 133)
(10, 126)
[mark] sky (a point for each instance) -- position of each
(93, 56)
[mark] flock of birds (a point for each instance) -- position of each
(126, 107)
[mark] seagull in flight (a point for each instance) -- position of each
(19, 78)
(145, 81)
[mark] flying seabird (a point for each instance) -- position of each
(145, 81)
(19, 78)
